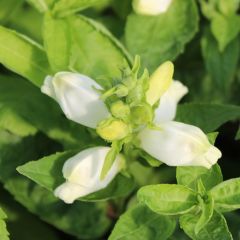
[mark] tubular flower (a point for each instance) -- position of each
(151, 7)
(179, 144)
(136, 113)
(82, 174)
(77, 97)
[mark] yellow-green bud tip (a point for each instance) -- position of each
(113, 130)
(159, 82)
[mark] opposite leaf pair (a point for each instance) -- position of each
(173, 143)
(199, 199)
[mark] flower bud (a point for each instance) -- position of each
(159, 82)
(166, 111)
(179, 144)
(113, 129)
(141, 114)
(77, 97)
(82, 174)
(120, 110)
(151, 7)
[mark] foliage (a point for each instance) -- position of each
(100, 38)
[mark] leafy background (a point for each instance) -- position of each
(40, 37)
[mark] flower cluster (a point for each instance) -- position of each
(136, 113)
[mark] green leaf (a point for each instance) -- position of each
(7, 8)
(227, 195)
(47, 172)
(73, 218)
(228, 7)
(42, 5)
(18, 216)
(207, 116)
(212, 137)
(23, 56)
(189, 176)
(23, 111)
(4, 235)
(20, 22)
(11, 121)
(141, 223)
(84, 46)
(168, 199)
(207, 208)
(163, 37)
(221, 66)
(56, 34)
(225, 29)
(216, 228)
(63, 8)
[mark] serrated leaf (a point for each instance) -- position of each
(189, 176)
(132, 225)
(47, 172)
(88, 48)
(15, 49)
(215, 229)
(207, 116)
(227, 195)
(168, 199)
(160, 38)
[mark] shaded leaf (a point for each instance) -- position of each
(207, 116)
(163, 37)
(140, 222)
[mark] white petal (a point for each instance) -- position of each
(75, 94)
(82, 173)
(151, 7)
(166, 111)
(179, 144)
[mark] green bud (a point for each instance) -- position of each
(122, 91)
(120, 110)
(113, 129)
(141, 114)
(159, 82)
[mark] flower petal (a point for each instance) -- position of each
(166, 111)
(75, 94)
(179, 144)
(82, 174)
(151, 7)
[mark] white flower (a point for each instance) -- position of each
(175, 143)
(77, 97)
(151, 7)
(166, 111)
(179, 144)
(82, 174)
